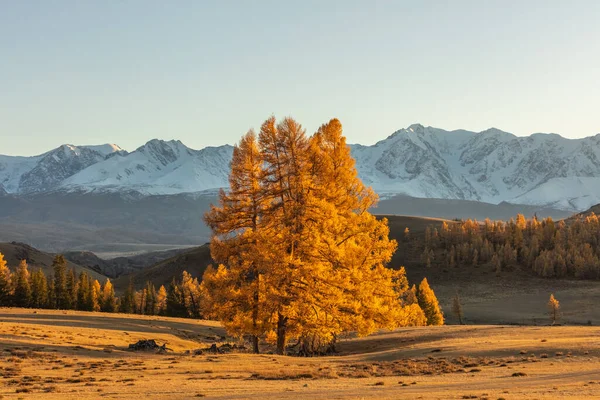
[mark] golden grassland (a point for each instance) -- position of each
(78, 355)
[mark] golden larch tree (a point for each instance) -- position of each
(236, 226)
(22, 287)
(553, 308)
(429, 304)
(301, 257)
(5, 283)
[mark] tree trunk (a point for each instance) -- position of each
(255, 348)
(281, 331)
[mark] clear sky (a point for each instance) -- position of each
(125, 72)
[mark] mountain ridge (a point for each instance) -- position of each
(491, 166)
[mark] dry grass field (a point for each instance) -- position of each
(78, 355)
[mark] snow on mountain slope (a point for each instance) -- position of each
(158, 167)
(572, 193)
(490, 166)
(48, 170)
(12, 168)
(105, 149)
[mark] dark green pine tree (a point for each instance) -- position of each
(90, 299)
(150, 303)
(128, 299)
(22, 294)
(72, 290)
(175, 301)
(39, 289)
(61, 295)
(51, 298)
(83, 289)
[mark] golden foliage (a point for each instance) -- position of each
(300, 255)
(553, 306)
(429, 304)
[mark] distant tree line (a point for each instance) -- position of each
(549, 249)
(65, 290)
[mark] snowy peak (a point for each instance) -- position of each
(57, 165)
(420, 161)
(491, 166)
(105, 149)
(165, 152)
(47, 171)
(157, 167)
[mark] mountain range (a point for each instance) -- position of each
(492, 166)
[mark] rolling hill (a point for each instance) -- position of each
(15, 252)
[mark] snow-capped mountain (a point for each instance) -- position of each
(158, 167)
(490, 166)
(47, 171)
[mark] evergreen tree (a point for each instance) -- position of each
(61, 295)
(150, 299)
(39, 289)
(51, 294)
(429, 304)
(128, 299)
(175, 301)
(71, 290)
(22, 293)
(83, 288)
(5, 283)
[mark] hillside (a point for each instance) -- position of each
(193, 261)
(115, 267)
(15, 252)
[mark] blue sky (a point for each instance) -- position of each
(204, 72)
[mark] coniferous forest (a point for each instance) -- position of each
(563, 249)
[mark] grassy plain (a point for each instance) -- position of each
(78, 355)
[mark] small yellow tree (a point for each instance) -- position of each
(22, 287)
(95, 295)
(553, 307)
(457, 308)
(430, 305)
(161, 300)
(5, 286)
(108, 301)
